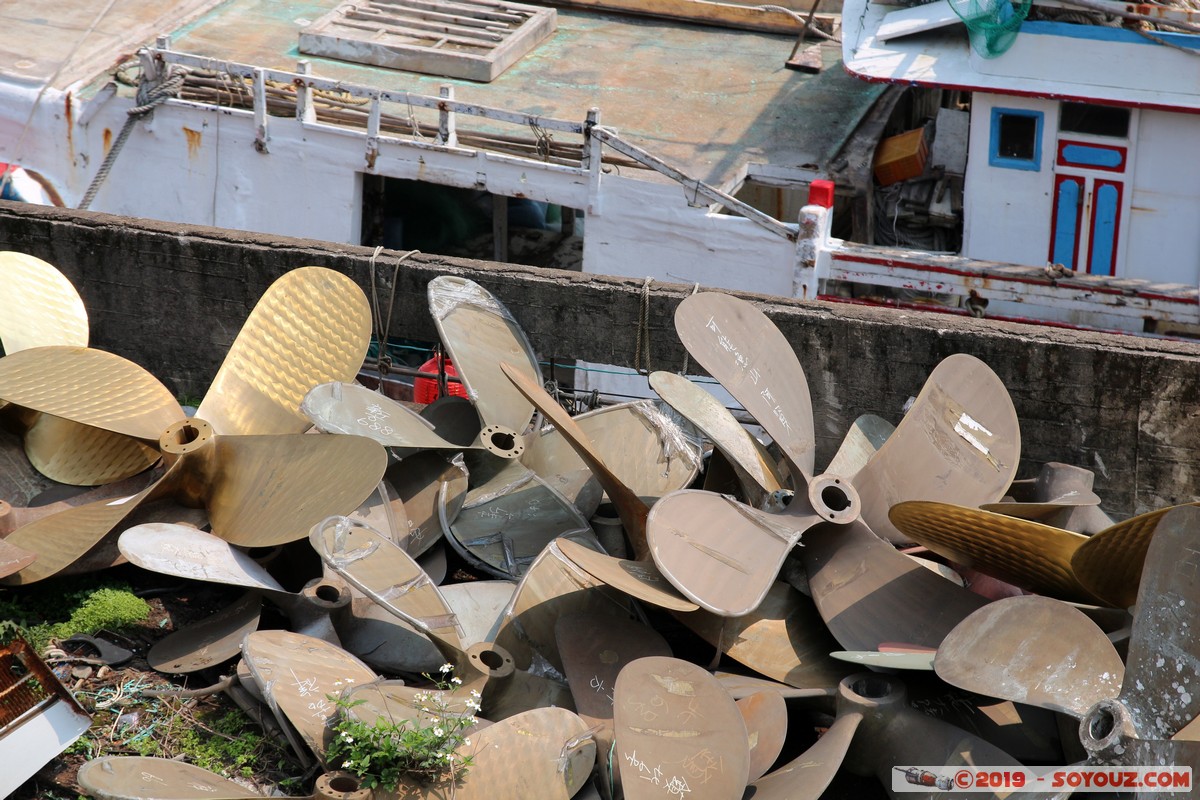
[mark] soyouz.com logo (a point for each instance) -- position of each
(1168, 779)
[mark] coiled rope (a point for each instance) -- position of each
(149, 97)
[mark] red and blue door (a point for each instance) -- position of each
(1089, 193)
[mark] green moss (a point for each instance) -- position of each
(39, 615)
(233, 746)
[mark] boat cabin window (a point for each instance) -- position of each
(1094, 120)
(1016, 139)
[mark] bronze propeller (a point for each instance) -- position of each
(243, 456)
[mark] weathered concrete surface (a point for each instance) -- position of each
(172, 297)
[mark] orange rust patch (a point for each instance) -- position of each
(107, 140)
(193, 141)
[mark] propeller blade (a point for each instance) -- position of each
(862, 441)
(784, 639)
(268, 490)
(432, 490)
(395, 702)
(721, 554)
(740, 686)
(1163, 664)
(553, 587)
(1111, 563)
(350, 408)
(717, 423)
(766, 718)
(38, 305)
(960, 442)
(887, 659)
(311, 326)
(632, 509)
(146, 778)
(594, 648)
(635, 440)
(1032, 650)
(640, 579)
(893, 735)
(678, 730)
(869, 594)
(81, 455)
(62, 539)
(298, 674)
(506, 522)
(808, 775)
(208, 642)
(480, 334)
(545, 753)
(753, 360)
(194, 555)
(90, 387)
(1021, 552)
(13, 558)
(374, 565)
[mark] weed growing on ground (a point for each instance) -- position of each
(61, 611)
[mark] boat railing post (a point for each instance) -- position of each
(813, 240)
(261, 135)
(447, 121)
(374, 118)
(592, 160)
(305, 110)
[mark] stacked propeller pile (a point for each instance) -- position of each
(592, 660)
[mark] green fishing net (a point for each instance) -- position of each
(991, 24)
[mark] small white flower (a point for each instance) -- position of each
(438, 732)
(466, 742)
(446, 668)
(347, 737)
(456, 681)
(473, 705)
(475, 694)
(348, 764)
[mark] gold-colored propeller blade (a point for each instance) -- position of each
(311, 326)
(62, 539)
(208, 642)
(718, 424)
(268, 490)
(1110, 563)
(193, 555)
(1021, 552)
(749, 355)
(480, 334)
(13, 558)
(870, 594)
(81, 455)
(90, 387)
(1032, 650)
(640, 579)
(38, 305)
(960, 443)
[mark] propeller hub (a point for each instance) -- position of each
(491, 659)
(502, 441)
(1107, 730)
(185, 437)
(834, 499)
(340, 786)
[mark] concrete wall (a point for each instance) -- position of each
(172, 298)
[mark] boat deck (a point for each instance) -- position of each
(708, 100)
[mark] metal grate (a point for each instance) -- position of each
(472, 39)
(26, 683)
